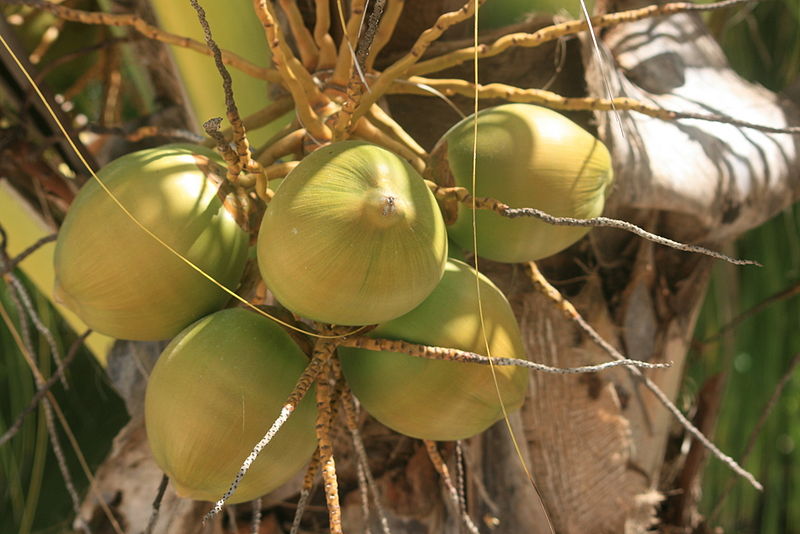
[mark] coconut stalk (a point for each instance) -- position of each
(235, 29)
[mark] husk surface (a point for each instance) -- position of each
(120, 280)
(330, 249)
(212, 394)
(436, 399)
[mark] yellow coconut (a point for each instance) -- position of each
(212, 395)
(120, 280)
(353, 236)
(527, 156)
(442, 400)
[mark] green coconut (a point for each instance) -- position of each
(212, 395)
(527, 157)
(434, 399)
(120, 280)
(353, 236)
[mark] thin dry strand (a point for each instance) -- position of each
(61, 460)
(384, 32)
(351, 420)
(143, 132)
(151, 32)
(398, 68)
(25, 299)
(276, 109)
(255, 522)
(558, 31)
(322, 353)
(156, 506)
(463, 196)
(510, 93)
(9, 264)
(450, 488)
(309, 479)
(232, 111)
(357, 84)
(41, 392)
(569, 311)
(455, 355)
(362, 464)
(365, 42)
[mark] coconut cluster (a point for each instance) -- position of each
(353, 236)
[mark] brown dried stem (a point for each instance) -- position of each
(557, 31)
(279, 107)
(151, 32)
(365, 42)
(455, 355)
(325, 392)
(385, 30)
(399, 67)
(309, 53)
(441, 468)
(358, 82)
(322, 353)
(510, 93)
(230, 156)
(569, 311)
(307, 97)
(463, 196)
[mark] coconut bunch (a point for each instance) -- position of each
(353, 236)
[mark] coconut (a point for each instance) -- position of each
(353, 236)
(119, 279)
(436, 399)
(527, 156)
(212, 395)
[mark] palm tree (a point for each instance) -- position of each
(700, 155)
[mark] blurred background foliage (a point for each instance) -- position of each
(762, 41)
(33, 496)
